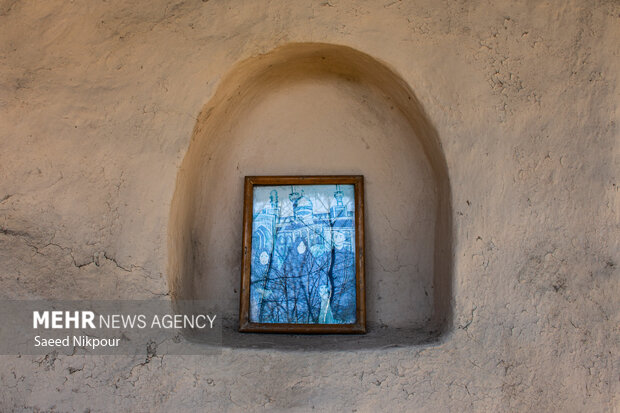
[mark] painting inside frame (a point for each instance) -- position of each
(303, 269)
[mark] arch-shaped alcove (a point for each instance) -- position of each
(313, 109)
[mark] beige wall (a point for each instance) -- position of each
(99, 103)
(310, 108)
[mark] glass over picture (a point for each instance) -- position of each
(303, 255)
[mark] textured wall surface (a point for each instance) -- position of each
(309, 108)
(98, 104)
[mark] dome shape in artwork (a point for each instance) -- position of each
(303, 207)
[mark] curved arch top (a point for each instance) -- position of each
(266, 100)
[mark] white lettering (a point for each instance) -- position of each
(57, 319)
(75, 319)
(93, 343)
(63, 319)
(51, 342)
(38, 319)
(87, 319)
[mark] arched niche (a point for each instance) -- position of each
(313, 109)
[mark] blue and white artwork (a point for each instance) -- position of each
(303, 255)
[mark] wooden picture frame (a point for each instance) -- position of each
(304, 255)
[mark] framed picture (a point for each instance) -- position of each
(303, 255)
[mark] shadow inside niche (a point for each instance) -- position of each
(204, 238)
(376, 338)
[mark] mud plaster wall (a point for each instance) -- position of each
(315, 108)
(98, 103)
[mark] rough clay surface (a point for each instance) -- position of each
(98, 101)
(310, 108)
